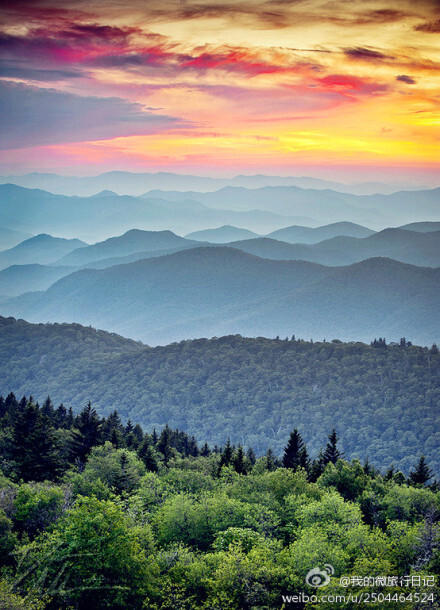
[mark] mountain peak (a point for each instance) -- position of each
(104, 193)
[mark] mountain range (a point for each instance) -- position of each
(212, 291)
(260, 210)
(136, 183)
(93, 218)
(327, 205)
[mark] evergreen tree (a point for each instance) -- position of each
(422, 473)
(113, 422)
(238, 461)
(389, 475)
(332, 453)
(85, 435)
(205, 450)
(226, 455)
(250, 454)
(47, 408)
(35, 450)
(317, 467)
(270, 460)
(164, 444)
(60, 417)
(295, 454)
(129, 427)
(125, 479)
(116, 438)
(148, 455)
(138, 435)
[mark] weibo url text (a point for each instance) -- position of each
(363, 597)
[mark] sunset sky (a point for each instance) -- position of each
(344, 89)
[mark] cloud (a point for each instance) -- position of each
(13, 69)
(351, 85)
(432, 27)
(39, 117)
(378, 16)
(406, 79)
(366, 54)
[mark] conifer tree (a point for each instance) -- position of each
(35, 450)
(47, 408)
(164, 444)
(226, 456)
(124, 480)
(332, 453)
(317, 467)
(85, 435)
(271, 461)
(205, 450)
(295, 453)
(250, 454)
(422, 473)
(238, 461)
(147, 454)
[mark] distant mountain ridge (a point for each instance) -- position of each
(130, 242)
(42, 249)
(221, 290)
(136, 183)
(94, 218)
(307, 235)
(222, 235)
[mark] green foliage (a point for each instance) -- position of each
(38, 505)
(93, 558)
(195, 520)
(118, 469)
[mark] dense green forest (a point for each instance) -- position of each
(382, 399)
(98, 514)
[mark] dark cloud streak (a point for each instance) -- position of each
(365, 54)
(431, 27)
(403, 78)
(39, 117)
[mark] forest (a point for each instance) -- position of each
(95, 513)
(381, 397)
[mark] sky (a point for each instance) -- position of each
(342, 89)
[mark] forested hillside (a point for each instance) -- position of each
(383, 399)
(97, 514)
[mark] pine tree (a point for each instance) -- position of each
(295, 454)
(271, 462)
(35, 452)
(138, 435)
(250, 454)
(389, 474)
(332, 453)
(115, 438)
(226, 456)
(422, 474)
(205, 450)
(47, 408)
(124, 481)
(317, 467)
(85, 435)
(164, 444)
(147, 454)
(60, 417)
(238, 461)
